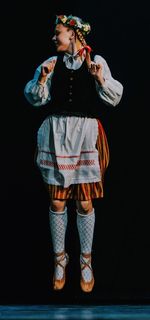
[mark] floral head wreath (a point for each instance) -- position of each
(74, 22)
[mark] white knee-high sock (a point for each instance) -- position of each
(85, 226)
(58, 226)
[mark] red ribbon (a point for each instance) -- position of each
(87, 48)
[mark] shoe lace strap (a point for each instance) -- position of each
(85, 264)
(62, 258)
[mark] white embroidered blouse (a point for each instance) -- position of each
(40, 94)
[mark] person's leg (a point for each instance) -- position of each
(58, 225)
(85, 225)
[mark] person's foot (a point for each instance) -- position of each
(59, 278)
(87, 277)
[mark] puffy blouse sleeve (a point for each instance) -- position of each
(36, 93)
(111, 91)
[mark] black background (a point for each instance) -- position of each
(120, 33)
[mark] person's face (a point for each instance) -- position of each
(63, 37)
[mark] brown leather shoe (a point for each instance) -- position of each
(58, 284)
(86, 286)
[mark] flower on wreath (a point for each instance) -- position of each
(74, 22)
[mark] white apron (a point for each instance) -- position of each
(67, 151)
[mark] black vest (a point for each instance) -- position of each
(73, 92)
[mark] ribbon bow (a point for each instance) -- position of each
(87, 48)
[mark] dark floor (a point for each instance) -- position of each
(125, 312)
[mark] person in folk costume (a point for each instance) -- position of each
(72, 148)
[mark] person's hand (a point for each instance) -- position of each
(96, 70)
(46, 68)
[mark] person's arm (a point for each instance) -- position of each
(37, 90)
(108, 89)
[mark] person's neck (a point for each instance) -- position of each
(74, 48)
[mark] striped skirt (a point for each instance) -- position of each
(85, 191)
